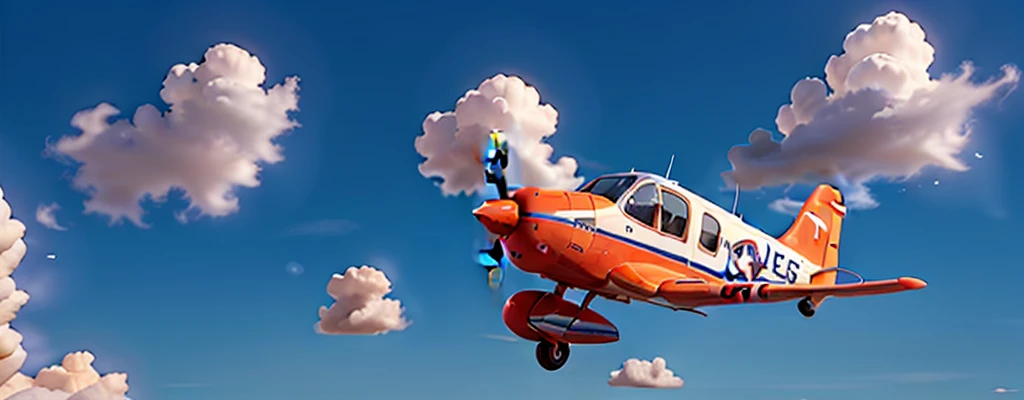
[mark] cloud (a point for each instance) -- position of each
(645, 374)
(886, 118)
(220, 126)
(452, 140)
(360, 307)
(74, 379)
(325, 227)
(12, 251)
(15, 384)
(786, 206)
(1004, 391)
(45, 216)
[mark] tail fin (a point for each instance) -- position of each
(815, 233)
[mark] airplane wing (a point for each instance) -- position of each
(789, 292)
(646, 281)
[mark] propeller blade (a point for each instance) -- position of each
(496, 252)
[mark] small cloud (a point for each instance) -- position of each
(786, 206)
(502, 338)
(877, 115)
(324, 227)
(1004, 391)
(294, 268)
(218, 132)
(645, 374)
(452, 141)
(46, 216)
(51, 256)
(360, 307)
(978, 155)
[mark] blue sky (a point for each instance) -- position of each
(207, 310)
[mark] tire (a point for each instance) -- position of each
(552, 356)
(805, 307)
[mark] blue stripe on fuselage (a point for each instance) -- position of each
(644, 246)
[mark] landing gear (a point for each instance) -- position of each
(552, 356)
(806, 307)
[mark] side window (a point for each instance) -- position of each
(674, 214)
(709, 233)
(643, 204)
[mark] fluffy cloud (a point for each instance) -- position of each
(1004, 391)
(45, 216)
(74, 379)
(886, 118)
(645, 374)
(359, 305)
(12, 250)
(220, 125)
(452, 141)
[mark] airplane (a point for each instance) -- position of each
(638, 236)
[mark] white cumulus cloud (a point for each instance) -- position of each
(452, 141)
(886, 117)
(220, 126)
(1004, 391)
(12, 251)
(645, 374)
(74, 379)
(359, 305)
(46, 216)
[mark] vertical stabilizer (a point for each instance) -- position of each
(815, 233)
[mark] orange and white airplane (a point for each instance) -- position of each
(639, 236)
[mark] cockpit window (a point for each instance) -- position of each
(610, 188)
(643, 204)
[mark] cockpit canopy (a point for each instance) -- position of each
(610, 187)
(653, 203)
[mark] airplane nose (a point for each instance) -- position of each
(500, 217)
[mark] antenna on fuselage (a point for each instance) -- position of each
(670, 161)
(736, 199)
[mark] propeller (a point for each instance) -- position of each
(495, 162)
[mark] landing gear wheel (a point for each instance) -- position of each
(805, 307)
(552, 356)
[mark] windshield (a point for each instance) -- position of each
(610, 188)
